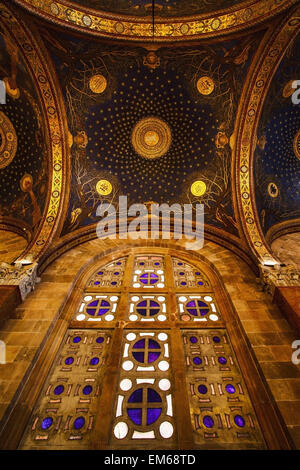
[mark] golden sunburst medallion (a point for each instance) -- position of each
(104, 187)
(26, 183)
(98, 84)
(297, 145)
(198, 188)
(8, 141)
(273, 190)
(151, 137)
(205, 85)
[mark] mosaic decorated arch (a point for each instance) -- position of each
(269, 58)
(30, 48)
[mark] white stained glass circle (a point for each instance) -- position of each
(161, 298)
(161, 318)
(164, 384)
(127, 365)
(138, 271)
(163, 365)
(125, 385)
(133, 317)
(213, 317)
(114, 298)
(182, 299)
(121, 430)
(87, 298)
(160, 285)
(80, 317)
(208, 298)
(109, 317)
(136, 285)
(131, 336)
(135, 298)
(162, 337)
(166, 430)
(160, 271)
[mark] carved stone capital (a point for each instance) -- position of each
(278, 276)
(19, 275)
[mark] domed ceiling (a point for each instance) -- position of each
(150, 124)
(277, 156)
(23, 154)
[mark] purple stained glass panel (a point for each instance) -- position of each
(135, 414)
(136, 396)
(69, 361)
(202, 389)
(139, 344)
(87, 390)
(47, 423)
(153, 344)
(239, 421)
(153, 356)
(208, 421)
(139, 356)
(193, 339)
(77, 339)
(153, 396)
(94, 361)
(197, 361)
(100, 339)
(153, 414)
(59, 389)
(222, 360)
(230, 388)
(79, 422)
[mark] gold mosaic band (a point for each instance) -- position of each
(233, 19)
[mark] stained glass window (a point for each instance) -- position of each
(221, 411)
(187, 275)
(65, 413)
(146, 351)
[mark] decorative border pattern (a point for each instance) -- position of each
(112, 25)
(267, 65)
(47, 92)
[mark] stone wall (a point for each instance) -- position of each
(268, 332)
(11, 246)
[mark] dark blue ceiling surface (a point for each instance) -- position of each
(277, 167)
(201, 125)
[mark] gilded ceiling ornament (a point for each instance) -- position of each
(13, 92)
(151, 60)
(198, 188)
(26, 183)
(205, 85)
(151, 137)
(104, 187)
(98, 83)
(8, 141)
(81, 139)
(297, 145)
(273, 190)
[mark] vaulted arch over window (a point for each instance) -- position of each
(147, 362)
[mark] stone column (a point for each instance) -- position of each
(283, 283)
(16, 282)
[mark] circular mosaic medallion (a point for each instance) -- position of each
(8, 141)
(98, 84)
(151, 137)
(205, 85)
(273, 190)
(198, 188)
(297, 145)
(103, 187)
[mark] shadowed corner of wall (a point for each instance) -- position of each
(2, 352)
